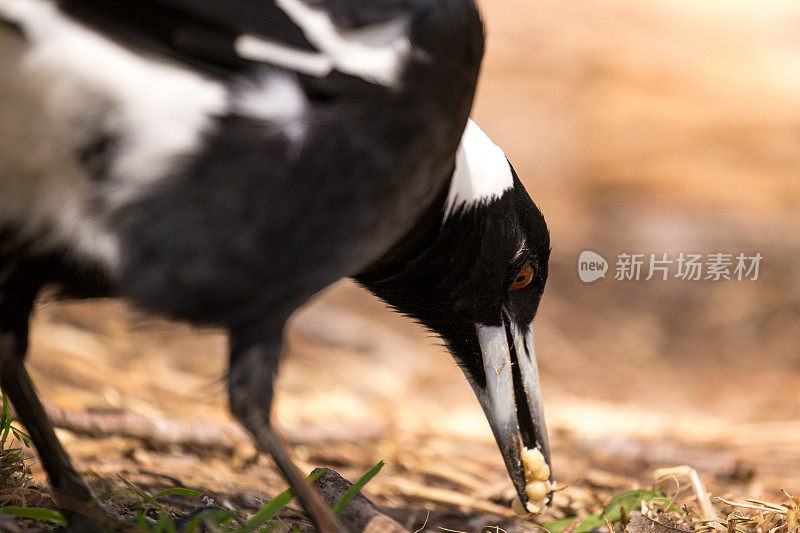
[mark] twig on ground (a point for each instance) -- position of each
(360, 515)
(687, 474)
(163, 432)
(755, 506)
(411, 489)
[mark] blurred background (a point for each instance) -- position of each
(657, 126)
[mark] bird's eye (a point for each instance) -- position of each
(523, 279)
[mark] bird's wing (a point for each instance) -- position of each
(231, 35)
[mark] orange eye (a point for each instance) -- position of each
(523, 279)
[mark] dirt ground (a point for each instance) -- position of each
(654, 126)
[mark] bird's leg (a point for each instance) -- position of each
(250, 385)
(71, 492)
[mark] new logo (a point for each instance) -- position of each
(591, 267)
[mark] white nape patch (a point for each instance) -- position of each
(375, 53)
(75, 85)
(276, 98)
(482, 171)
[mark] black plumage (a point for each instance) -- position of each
(347, 172)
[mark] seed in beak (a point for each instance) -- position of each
(516, 506)
(536, 491)
(544, 473)
(533, 461)
(537, 476)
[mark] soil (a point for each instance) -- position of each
(643, 127)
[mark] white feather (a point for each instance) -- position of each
(375, 53)
(69, 78)
(482, 171)
(263, 50)
(276, 98)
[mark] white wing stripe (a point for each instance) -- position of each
(375, 53)
(255, 48)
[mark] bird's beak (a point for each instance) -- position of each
(512, 399)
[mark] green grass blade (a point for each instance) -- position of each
(273, 526)
(141, 521)
(266, 513)
(585, 525)
(178, 492)
(34, 513)
(166, 524)
(133, 489)
(219, 520)
(353, 491)
(630, 501)
(21, 436)
(5, 422)
(11, 457)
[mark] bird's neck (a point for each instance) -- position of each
(414, 243)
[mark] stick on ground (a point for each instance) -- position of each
(163, 432)
(361, 516)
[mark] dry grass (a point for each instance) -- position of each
(656, 126)
(15, 476)
(756, 516)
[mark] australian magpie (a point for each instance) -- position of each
(222, 162)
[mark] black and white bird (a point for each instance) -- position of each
(222, 162)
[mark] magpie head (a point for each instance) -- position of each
(473, 270)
